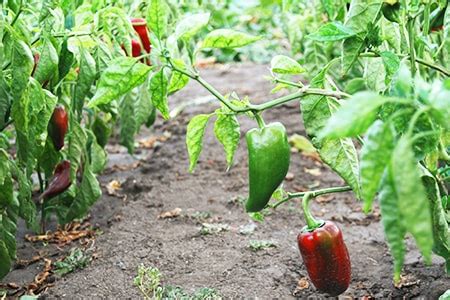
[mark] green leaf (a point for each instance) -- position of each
(88, 192)
(65, 60)
(6, 184)
(441, 233)
(191, 25)
(354, 116)
(391, 62)
(360, 14)
(127, 122)
(86, 77)
(355, 85)
(22, 64)
(285, 65)
(333, 31)
(27, 208)
(227, 131)
(339, 154)
(5, 260)
(31, 116)
(158, 91)
(412, 199)
(124, 74)
(157, 17)
(394, 229)
(143, 106)
(48, 63)
(194, 138)
(77, 142)
(375, 156)
(5, 100)
(177, 80)
(228, 38)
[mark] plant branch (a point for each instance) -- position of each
(431, 65)
(314, 194)
(304, 91)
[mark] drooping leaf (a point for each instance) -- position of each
(86, 77)
(339, 154)
(5, 260)
(194, 138)
(375, 156)
(124, 74)
(177, 80)
(48, 62)
(31, 116)
(127, 122)
(158, 91)
(354, 116)
(333, 31)
(228, 38)
(441, 233)
(21, 65)
(282, 64)
(87, 193)
(394, 229)
(191, 25)
(65, 60)
(412, 199)
(227, 131)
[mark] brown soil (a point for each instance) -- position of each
(134, 235)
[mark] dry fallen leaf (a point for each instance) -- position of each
(202, 63)
(289, 176)
(64, 236)
(112, 187)
(406, 281)
(302, 283)
(170, 214)
(313, 172)
(150, 142)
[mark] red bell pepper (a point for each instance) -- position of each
(324, 253)
(60, 181)
(58, 126)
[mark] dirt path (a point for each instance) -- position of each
(134, 235)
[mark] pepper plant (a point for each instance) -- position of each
(376, 107)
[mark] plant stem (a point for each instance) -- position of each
(311, 222)
(290, 83)
(259, 120)
(412, 53)
(306, 90)
(315, 193)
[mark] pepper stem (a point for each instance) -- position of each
(311, 222)
(260, 120)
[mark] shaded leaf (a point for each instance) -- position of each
(124, 74)
(228, 38)
(158, 91)
(285, 65)
(333, 31)
(375, 156)
(227, 131)
(194, 138)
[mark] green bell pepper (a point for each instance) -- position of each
(269, 154)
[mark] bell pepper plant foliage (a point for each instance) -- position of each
(376, 108)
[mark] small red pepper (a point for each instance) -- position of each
(140, 26)
(58, 126)
(324, 253)
(60, 181)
